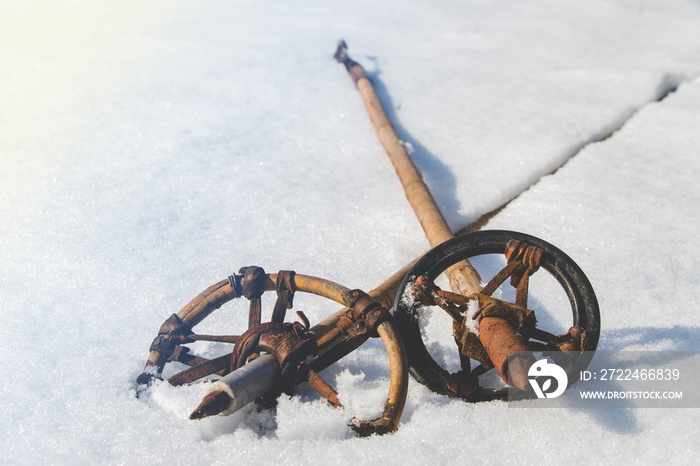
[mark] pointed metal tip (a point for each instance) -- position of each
(340, 54)
(214, 403)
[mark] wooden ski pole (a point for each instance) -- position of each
(463, 277)
(496, 334)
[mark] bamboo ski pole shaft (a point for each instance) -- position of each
(463, 277)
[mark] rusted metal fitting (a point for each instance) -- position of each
(518, 317)
(174, 329)
(573, 341)
(387, 423)
(360, 303)
(529, 256)
(355, 69)
(379, 426)
(374, 318)
(424, 291)
(499, 338)
(285, 294)
(212, 404)
(288, 342)
(364, 314)
(469, 345)
(252, 281)
(172, 333)
(500, 324)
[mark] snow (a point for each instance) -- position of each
(150, 149)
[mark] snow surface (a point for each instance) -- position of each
(150, 149)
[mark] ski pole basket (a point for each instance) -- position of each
(295, 352)
(486, 329)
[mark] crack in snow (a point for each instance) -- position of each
(668, 85)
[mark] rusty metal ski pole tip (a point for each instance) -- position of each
(355, 69)
(213, 403)
(341, 54)
(238, 388)
(340, 51)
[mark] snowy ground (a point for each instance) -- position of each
(150, 149)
